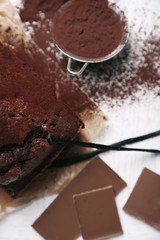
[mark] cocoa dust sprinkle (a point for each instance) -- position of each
(127, 77)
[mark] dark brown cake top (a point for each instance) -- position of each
(14, 125)
(26, 101)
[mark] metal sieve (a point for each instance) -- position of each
(86, 61)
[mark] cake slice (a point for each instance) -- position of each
(29, 110)
(52, 79)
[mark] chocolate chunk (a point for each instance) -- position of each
(144, 201)
(59, 221)
(97, 214)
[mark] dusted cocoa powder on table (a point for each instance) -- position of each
(130, 76)
(87, 28)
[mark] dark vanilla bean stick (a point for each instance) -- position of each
(101, 148)
(77, 159)
(137, 139)
(87, 156)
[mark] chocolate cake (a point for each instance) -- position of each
(33, 91)
(29, 110)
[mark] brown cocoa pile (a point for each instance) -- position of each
(87, 29)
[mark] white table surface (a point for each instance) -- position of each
(125, 121)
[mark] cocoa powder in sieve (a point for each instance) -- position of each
(87, 28)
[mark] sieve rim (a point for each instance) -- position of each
(95, 60)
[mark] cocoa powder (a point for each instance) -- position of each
(87, 29)
(125, 78)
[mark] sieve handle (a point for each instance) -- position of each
(75, 72)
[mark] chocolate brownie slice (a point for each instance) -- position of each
(29, 110)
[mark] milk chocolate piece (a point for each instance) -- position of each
(144, 201)
(97, 214)
(59, 221)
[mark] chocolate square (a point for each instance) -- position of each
(97, 214)
(144, 201)
(59, 220)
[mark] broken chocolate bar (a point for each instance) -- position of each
(60, 220)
